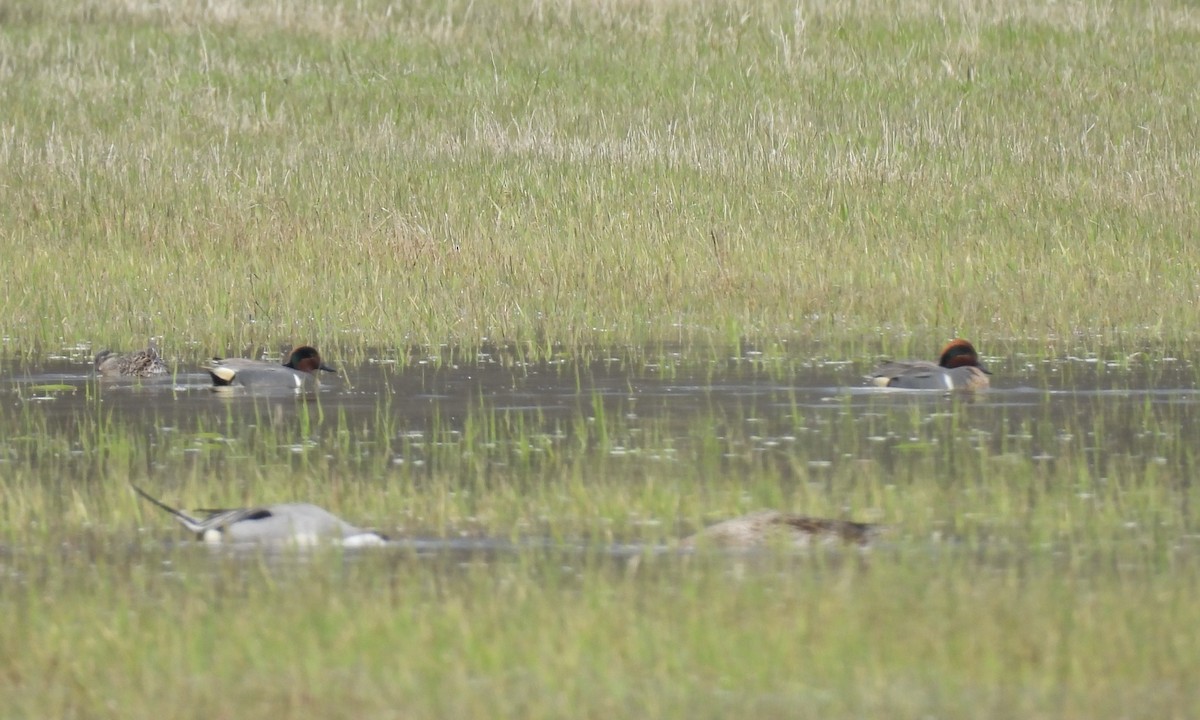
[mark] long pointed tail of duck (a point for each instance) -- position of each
(189, 522)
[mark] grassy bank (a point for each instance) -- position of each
(374, 174)
(533, 636)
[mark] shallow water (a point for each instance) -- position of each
(779, 395)
(805, 419)
(1039, 535)
(427, 387)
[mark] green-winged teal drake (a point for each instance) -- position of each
(139, 363)
(298, 373)
(768, 528)
(284, 524)
(958, 368)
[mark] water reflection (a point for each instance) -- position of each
(669, 384)
(802, 418)
(782, 399)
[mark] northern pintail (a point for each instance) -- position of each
(298, 373)
(284, 524)
(958, 368)
(767, 528)
(139, 363)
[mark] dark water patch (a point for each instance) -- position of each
(1040, 401)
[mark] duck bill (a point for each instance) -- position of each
(326, 368)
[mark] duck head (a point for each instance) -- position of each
(306, 359)
(960, 353)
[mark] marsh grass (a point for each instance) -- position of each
(536, 635)
(226, 174)
(1023, 571)
(678, 188)
(617, 466)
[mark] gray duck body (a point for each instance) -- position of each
(298, 374)
(278, 524)
(958, 368)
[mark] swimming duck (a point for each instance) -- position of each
(296, 374)
(139, 363)
(283, 524)
(771, 527)
(958, 368)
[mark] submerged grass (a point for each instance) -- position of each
(1040, 560)
(368, 173)
(616, 467)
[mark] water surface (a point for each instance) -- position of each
(806, 420)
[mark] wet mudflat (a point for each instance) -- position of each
(1041, 539)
